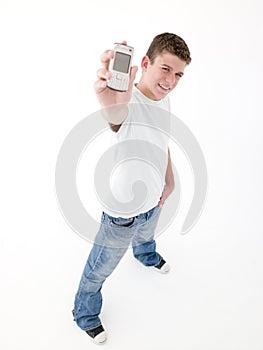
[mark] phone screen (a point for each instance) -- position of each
(121, 62)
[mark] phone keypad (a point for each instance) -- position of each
(118, 82)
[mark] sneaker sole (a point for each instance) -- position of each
(100, 338)
(164, 270)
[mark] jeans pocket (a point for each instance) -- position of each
(153, 212)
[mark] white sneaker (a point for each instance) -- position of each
(162, 267)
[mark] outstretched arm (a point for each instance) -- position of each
(114, 103)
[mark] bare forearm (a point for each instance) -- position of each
(169, 182)
(115, 114)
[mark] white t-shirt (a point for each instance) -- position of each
(140, 156)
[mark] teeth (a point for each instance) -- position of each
(164, 87)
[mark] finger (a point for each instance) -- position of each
(100, 85)
(103, 74)
(133, 73)
(106, 57)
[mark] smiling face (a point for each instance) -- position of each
(161, 76)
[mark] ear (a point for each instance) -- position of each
(145, 63)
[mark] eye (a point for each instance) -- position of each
(179, 75)
(166, 69)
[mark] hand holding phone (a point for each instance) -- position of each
(120, 67)
(109, 97)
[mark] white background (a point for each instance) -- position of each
(212, 299)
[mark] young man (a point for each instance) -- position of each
(162, 68)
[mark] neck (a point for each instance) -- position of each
(145, 91)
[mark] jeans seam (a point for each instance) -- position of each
(102, 247)
(91, 269)
(81, 287)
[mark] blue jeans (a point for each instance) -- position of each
(111, 243)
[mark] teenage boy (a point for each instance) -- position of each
(162, 68)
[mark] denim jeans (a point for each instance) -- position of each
(111, 243)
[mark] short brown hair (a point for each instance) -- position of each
(171, 43)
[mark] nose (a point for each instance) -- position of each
(170, 78)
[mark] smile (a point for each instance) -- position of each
(166, 88)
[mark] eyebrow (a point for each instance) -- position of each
(166, 65)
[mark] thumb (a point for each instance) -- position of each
(134, 71)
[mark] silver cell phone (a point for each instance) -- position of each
(120, 67)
